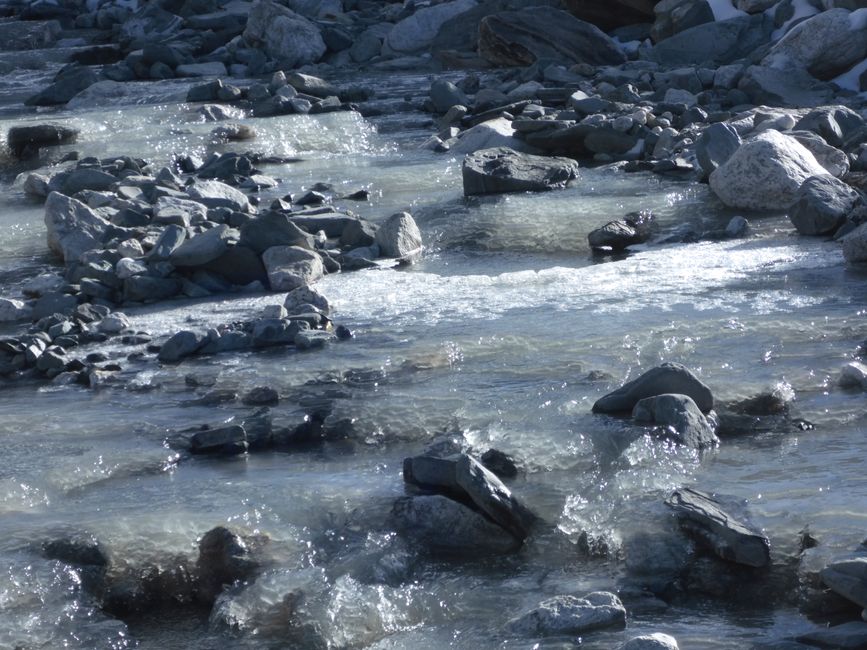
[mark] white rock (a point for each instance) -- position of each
(274, 311)
(130, 248)
(493, 133)
(12, 310)
(306, 296)
(656, 641)
(42, 283)
(127, 267)
(765, 173)
(290, 267)
(286, 36)
(416, 32)
(114, 323)
(399, 236)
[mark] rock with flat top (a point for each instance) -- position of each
(290, 267)
(570, 615)
(732, 540)
(500, 170)
(849, 579)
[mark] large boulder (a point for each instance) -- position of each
(839, 126)
(787, 85)
(822, 205)
(732, 540)
(849, 579)
(215, 194)
(71, 227)
(571, 616)
(520, 38)
(679, 418)
(497, 170)
(25, 141)
(239, 265)
(424, 519)
(290, 267)
(834, 161)
(666, 378)
(288, 37)
(714, 43)
(497, 132)
(418, 30)
(399, 236)
(609, 14)
(765, 173)
(203, 248)
(826, 44)
(273, 229)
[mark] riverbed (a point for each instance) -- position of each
(502, 335)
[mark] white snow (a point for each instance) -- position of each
(803, 9)
(851, 80)
(724, 10)
(858, 20)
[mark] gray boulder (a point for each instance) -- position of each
(399, 236)
(169, 240)
(826, 44)
(520, 38)
(268, 332)
(848, 636)
(310, 85)
(71, 227)
(228, 440)
(765, 173)
(680, 419)
(821, 205)
(444, 94)
(12, 310)
(497, 170)
(716, 144)
(25, 141)
(418, 30)
(714, 43)
(615, 235)
(87, 178)
(674, 16)
(180, 345)
(656, 641)
(849, 579)
(239, 265)
(285, 36)
(783, 86)
(425, 519)
(730, 539)
(839, 126)
(146, 288)
(305, 296)
(663, 379)
(497, 132)
(215, 194)
(273, 229)
(290, 267)
(855, 245)
(67, 84)
(570, 615)
(224, 556)
(203, 248)
(181, 212)
(834, 161)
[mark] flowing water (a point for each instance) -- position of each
(503, 335)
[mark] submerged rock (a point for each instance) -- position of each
(497, 170)
(849, 579)
(224, 558)
(703, 517)
(570, 615)
(666, 378)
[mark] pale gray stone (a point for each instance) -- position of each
(680, 418)
(399, 236)
(655, 641)
(288, 37)
(570, 615)
(418, 30)
(71, 227)
(501, 169)
(290, 267)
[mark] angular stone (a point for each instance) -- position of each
(492, 171)
(418, 30)
(822, 204)
(399, 236)
(716, 144)
(714, 43)
(145, 288)
(855, 245)
(730, 539)
(203, 248)
(666, 378)
(570, 615)
(848, 636)
(239, 265)
(655, 641)
(25, 141)
(285, 36)
(227, 440)
(182, 344)
(215, 194)
(271, 229)
(849, 579)
(290, 267)
(680, 419)
(72, 227)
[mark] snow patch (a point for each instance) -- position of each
(851, 80)
(803, 9)
(858, 20)
(724, 10)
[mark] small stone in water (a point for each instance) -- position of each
(261, 396)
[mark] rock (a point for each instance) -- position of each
(666, 378)
(674, 16)
(444, 95)
(215, 194)
(285, 36)
(273, 229)
(855, 245)
(497, 132)
(788, 86)
(852, 635)
(171, 238)
(418, 30)
(826, 44)
(733, 541)
(72, 228)
(714, 43)
(358, 233)
(716, 144)
(12, 310)
(227, 441)
(70, 81)
(269, 332)
(493, 498)
(182, 344)
(765, 173)
(53, 303)
(25, 141)
(399, 237)
(290, 267)
(224, 558)
(656, 641)
(238, 265)
(310, 85)
(680, 419)
(607, 14)
(114, 323)
(848, 578)
(180, 212)
(305, 296)
(366, 46)
(424, 518)
(145, 288)
(233, 132)
(203, 248)
(618, 235)
(571, 616)
(312, 339)
(833, 160)
(500, 463)
(520, 38)
(86, 178)
(837, 125)
(207, 69)
(492, 171)
(737, 227)
(821, 205)
(261, 396)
